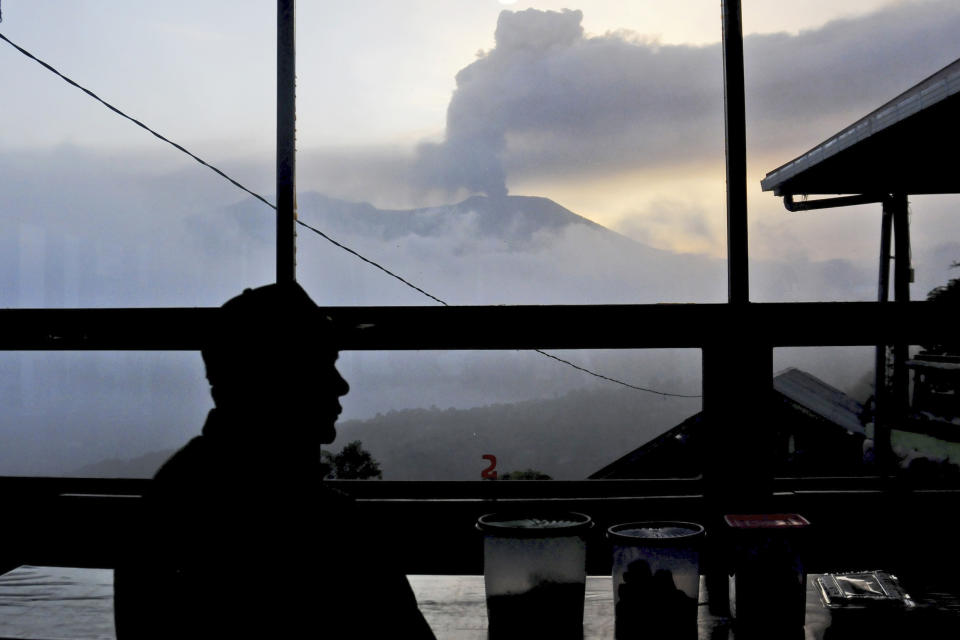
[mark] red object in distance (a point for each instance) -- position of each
(490, 473)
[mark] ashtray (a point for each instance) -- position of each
(863, 590)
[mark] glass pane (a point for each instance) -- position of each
(829, 411)
(520, 186)
(823, 411)
(497, 154)
(421, 415)
(98, 414)
(926, 441)
(488, 152)
(435, 415)
(95, 210)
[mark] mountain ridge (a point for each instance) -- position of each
(515, 219)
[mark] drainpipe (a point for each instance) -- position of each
(825, 203)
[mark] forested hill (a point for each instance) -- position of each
(567, 437)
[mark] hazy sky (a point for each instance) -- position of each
(371, 71)
(617, 115)
(613, 109)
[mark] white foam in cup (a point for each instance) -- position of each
(658, 532)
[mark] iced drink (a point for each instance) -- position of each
(656, 579)
(534, 573)
(768, 582)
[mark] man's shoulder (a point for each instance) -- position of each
(193, 462)
(202, 463)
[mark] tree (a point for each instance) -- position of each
(352, 463)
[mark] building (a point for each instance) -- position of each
(816, 431)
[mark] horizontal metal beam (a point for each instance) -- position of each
(113, 522)
(508, 327)
(33, 488)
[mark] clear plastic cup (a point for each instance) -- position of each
(656, 578)
(534, 570)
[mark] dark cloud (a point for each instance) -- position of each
(492, 96)
(548, 100)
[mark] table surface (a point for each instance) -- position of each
(54, 603)
(456, 610)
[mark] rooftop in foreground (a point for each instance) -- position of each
(904, 146)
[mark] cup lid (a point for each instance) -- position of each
(534, 525)
(660, 533)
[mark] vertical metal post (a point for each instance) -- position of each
(881, 428)
(286, 142)
(883, 292)
(737, 384)
(738, 289)
(901, 265)
(737, 380)
(900, 387)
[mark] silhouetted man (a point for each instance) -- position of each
(242, 538)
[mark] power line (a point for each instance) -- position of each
(540, 351)
(621, 382)
(210, 166)
(304, 224)
(371, 262)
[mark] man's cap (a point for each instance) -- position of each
(265, 326)
(280, 296)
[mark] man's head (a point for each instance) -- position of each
(271, 363)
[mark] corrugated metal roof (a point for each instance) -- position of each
(910, 109)
(819, 397)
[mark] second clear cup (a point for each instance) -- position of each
(656, 578)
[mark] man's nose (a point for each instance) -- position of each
(343, 387)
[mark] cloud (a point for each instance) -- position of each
(549, 100)
(489, 99)
(494, 95)
(820, 80)
(667, 222)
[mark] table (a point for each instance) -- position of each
(455, 606)
(56, 602)
(456, 610)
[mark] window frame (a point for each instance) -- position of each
(737, 341)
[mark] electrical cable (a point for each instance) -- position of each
(371, 262)
(621, 382)
(304, 224)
